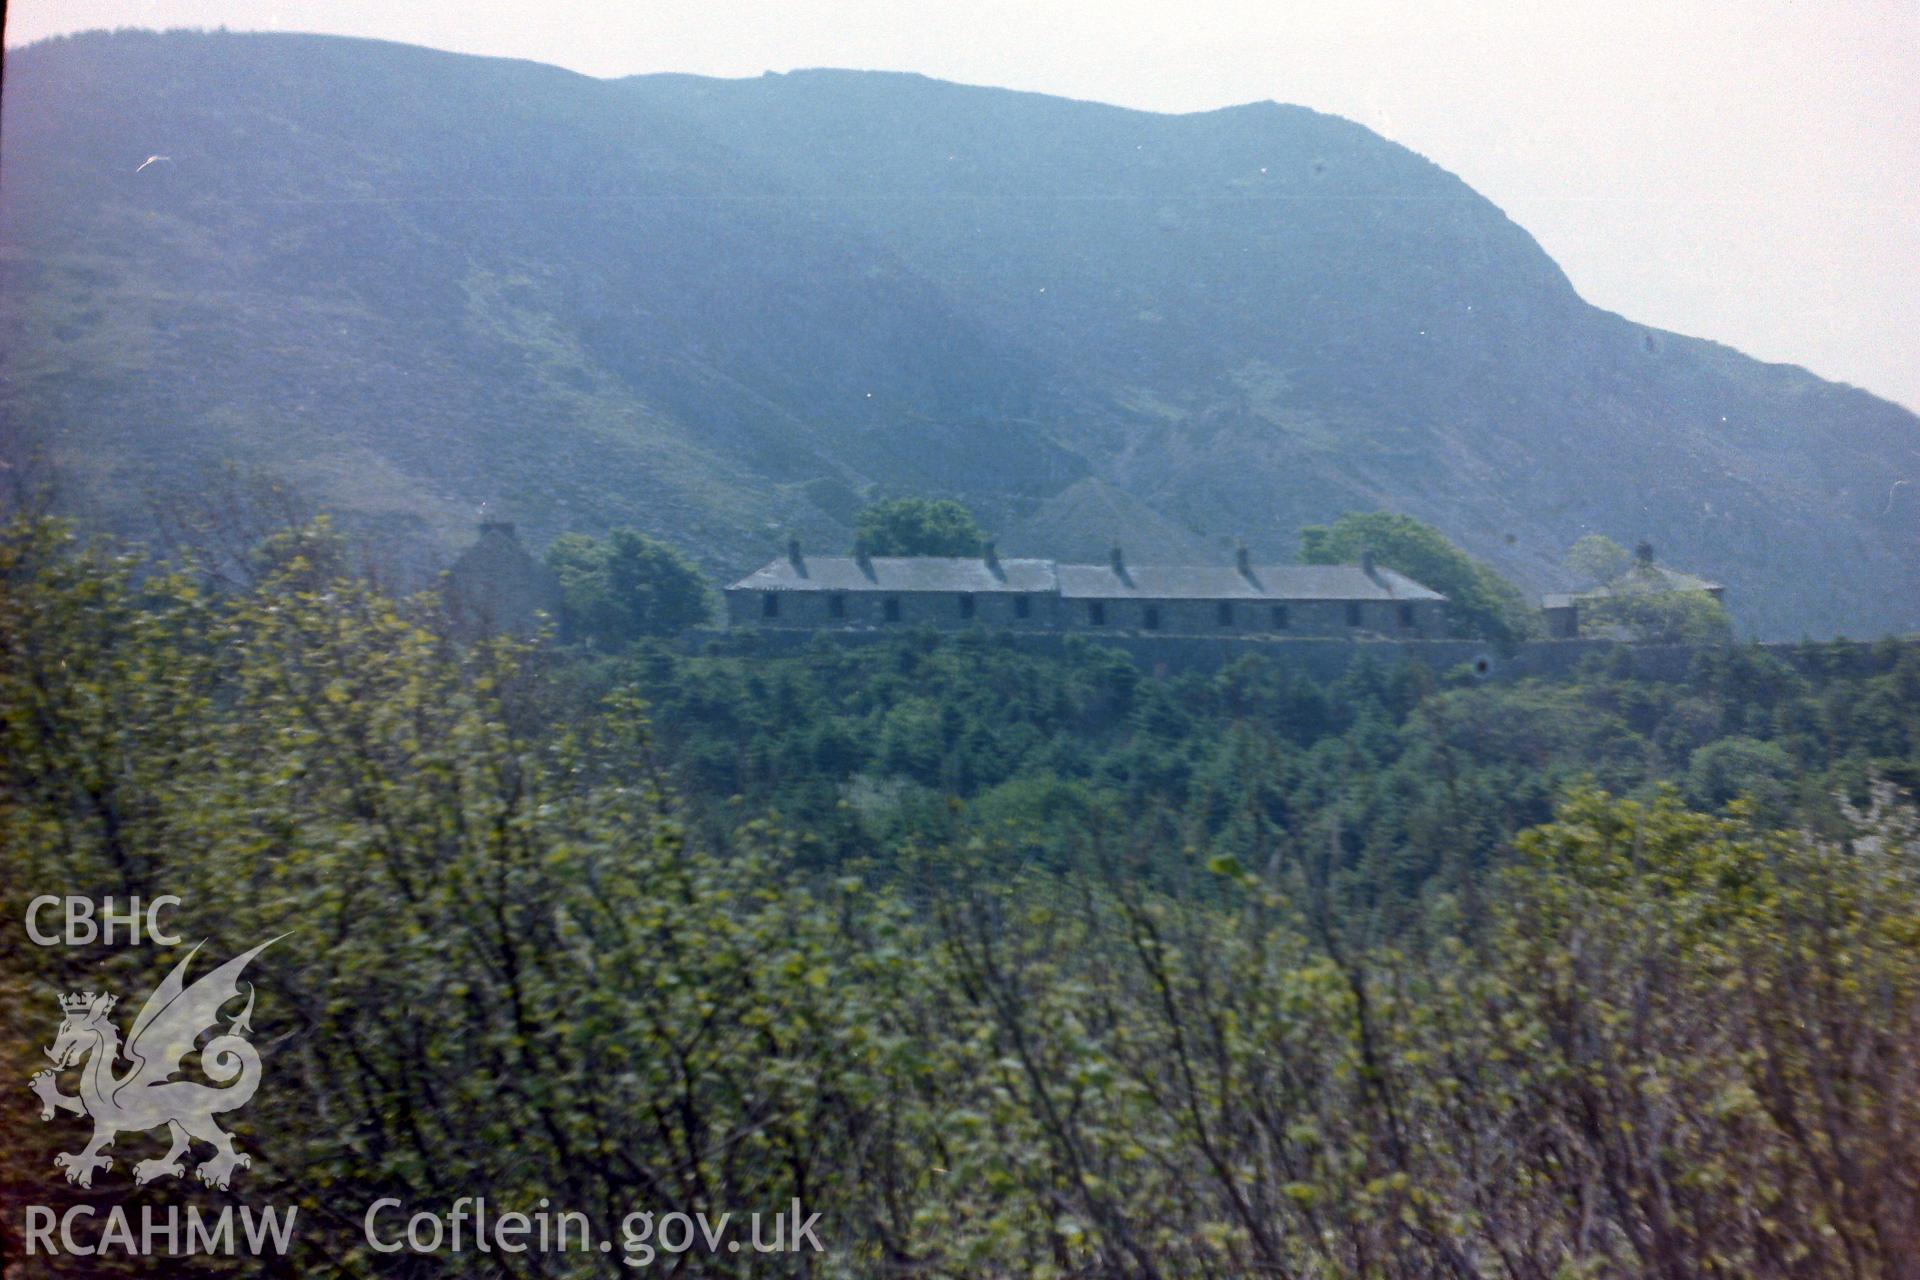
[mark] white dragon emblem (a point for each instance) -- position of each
(146, 1096)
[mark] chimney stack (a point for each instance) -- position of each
(1243, 561)
(1119, 561)
(1366, 563)
(793, 550)
(991, 554)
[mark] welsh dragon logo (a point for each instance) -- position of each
(144, 1095)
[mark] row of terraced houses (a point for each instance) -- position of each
(957, 592)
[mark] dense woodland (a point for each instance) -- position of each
(1008, 965)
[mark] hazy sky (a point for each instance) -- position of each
(1741, 171)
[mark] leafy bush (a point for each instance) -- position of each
(1220, 980)
(1480, 602)
(628, 586)
(918, 527)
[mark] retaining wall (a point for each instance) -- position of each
(1326, 658)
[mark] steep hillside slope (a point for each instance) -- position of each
(415, 282)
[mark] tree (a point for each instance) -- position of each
(1656, 614)
(1598, 559)
(628, 586)
(1638, 600)
(501, 968)
(1730, 768)
(918, 527)
(239, 524)
(1480, 602)
(1088, 1028)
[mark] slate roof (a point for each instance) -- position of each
(900, 573)
(1085, 581)
(1224, 582)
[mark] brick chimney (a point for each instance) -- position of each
(1366, 563)
(1243, 561)
(1119, 560)
(793, 551)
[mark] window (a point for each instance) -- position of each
(769, 605)
(1353, 615)
(1279, 617)
(1097, 612)
(1022, 607)
(1152, 619)
(1406, 615)
(1223, 613)
(890, 610)
(966, 606)
(836, 605)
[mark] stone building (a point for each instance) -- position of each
(833, 592)
(497, 586)
(878, 591)
(1562, 609)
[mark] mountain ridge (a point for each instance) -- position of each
(722, 309)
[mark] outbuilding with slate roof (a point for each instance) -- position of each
(1562, 610)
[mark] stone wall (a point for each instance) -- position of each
(1327, 658)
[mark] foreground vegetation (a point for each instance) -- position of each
(1007, 966)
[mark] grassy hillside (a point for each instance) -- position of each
(718, 310)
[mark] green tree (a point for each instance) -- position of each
(501, 966)
(1730, 768)
(1160, 981)
(1650, 611)
(1638, 600)
(1677, 973)
(1480, 602)
(629, 585)
(918, 527)
(1598, 559)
